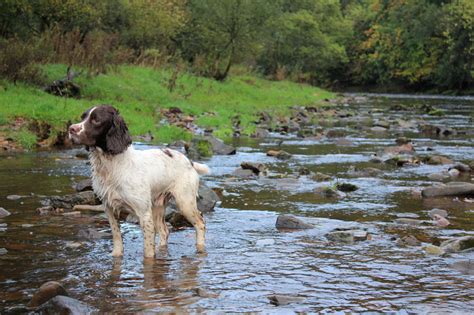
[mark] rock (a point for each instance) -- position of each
(278, 299)
(83, 185)
(378, 129)
(3, 251)
(464, 266)
(279, 154)
(408, 221)
(433, 250)
(402, 140)
(437, 160)
(320, 177)
(437, 131)
(199, 148)
(93, 234)
(459, 189)
(4, 213)
(69, 201)
(72, 213)
(260, 133)
(335, 133)
(407, 215)
(256, 168)
(131, 218)
(303, 171)
(46, 210)
(454, 172)
(365, 172)
(83, 155)
(439, 212)
(14, 197)
(347, 236)
(177, 220)
(65, 305)
(461, 167)
(328, 192)
(285, 221)
(346, 187)
(382, 123)
(46, 292)
(219, 147)
(401, 149)
(458, 244)
(408, 240)
(207, 199)
(439, 176)
(440, 221)
(240, 172)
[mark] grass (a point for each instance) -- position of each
(140, 92)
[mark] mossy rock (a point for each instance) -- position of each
(199, 148)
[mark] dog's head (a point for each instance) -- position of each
(102, 127)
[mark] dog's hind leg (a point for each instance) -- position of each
(159, 211)
(148, 228)
(116, 235)
(186, 202)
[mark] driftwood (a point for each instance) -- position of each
(65, 87)
(96, 208)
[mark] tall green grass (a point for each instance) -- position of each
(140, 92)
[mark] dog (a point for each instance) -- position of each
(139, 181)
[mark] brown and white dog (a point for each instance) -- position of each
(139, 181)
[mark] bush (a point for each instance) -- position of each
(19, 60)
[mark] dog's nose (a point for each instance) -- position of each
(74, 129)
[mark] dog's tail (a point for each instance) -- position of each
(202, 169)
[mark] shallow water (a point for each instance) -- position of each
(247, 259)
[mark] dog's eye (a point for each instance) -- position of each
(95, 121)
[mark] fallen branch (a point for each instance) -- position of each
(96, 208)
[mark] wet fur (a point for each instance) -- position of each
(142, 182)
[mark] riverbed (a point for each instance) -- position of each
(248, 260)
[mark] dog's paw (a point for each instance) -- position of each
(117, 253)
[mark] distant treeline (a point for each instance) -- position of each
(417, 44)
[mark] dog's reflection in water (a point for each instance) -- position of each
(167, 282)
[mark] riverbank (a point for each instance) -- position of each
(29, 116)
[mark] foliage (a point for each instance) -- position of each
(139, 93)
(417, 44)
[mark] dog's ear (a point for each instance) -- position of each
(118, 138)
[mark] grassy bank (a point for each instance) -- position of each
(140, 92)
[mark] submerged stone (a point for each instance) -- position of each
(458, 244)
(285, 221)
(65, 305)
(46, 292)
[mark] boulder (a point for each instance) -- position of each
(256, 168)
(452, 189)
(199, 148)
(320, 177)
(328, 192)
(207, 199)
(348, 236)
(441, 212)
(69, 201)
(4, 213)
(461, 167)
(408, 240)
(260, 133)
(240, 172)
(279, 154)
(280, 299)
(219, 147)
(83, 185)
(434, 250)
(346, 187)
(458, 244)
(437, 160)
(285, 221)
(401, 149)
(46, 292)
(440, 221)
(65, 305)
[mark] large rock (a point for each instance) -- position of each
(347, 236)
(458, 244)
(65, 305)
(256, 168)
(207, 199)
(452, 189)
(199, 148)
(46, 292)
(286, 221)
(83, 185)
(437, 160)
(4, 213)
(279, 154)
(219, 147)
(69, 201)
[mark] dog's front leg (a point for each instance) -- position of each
(116, 234)
(148, 228)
